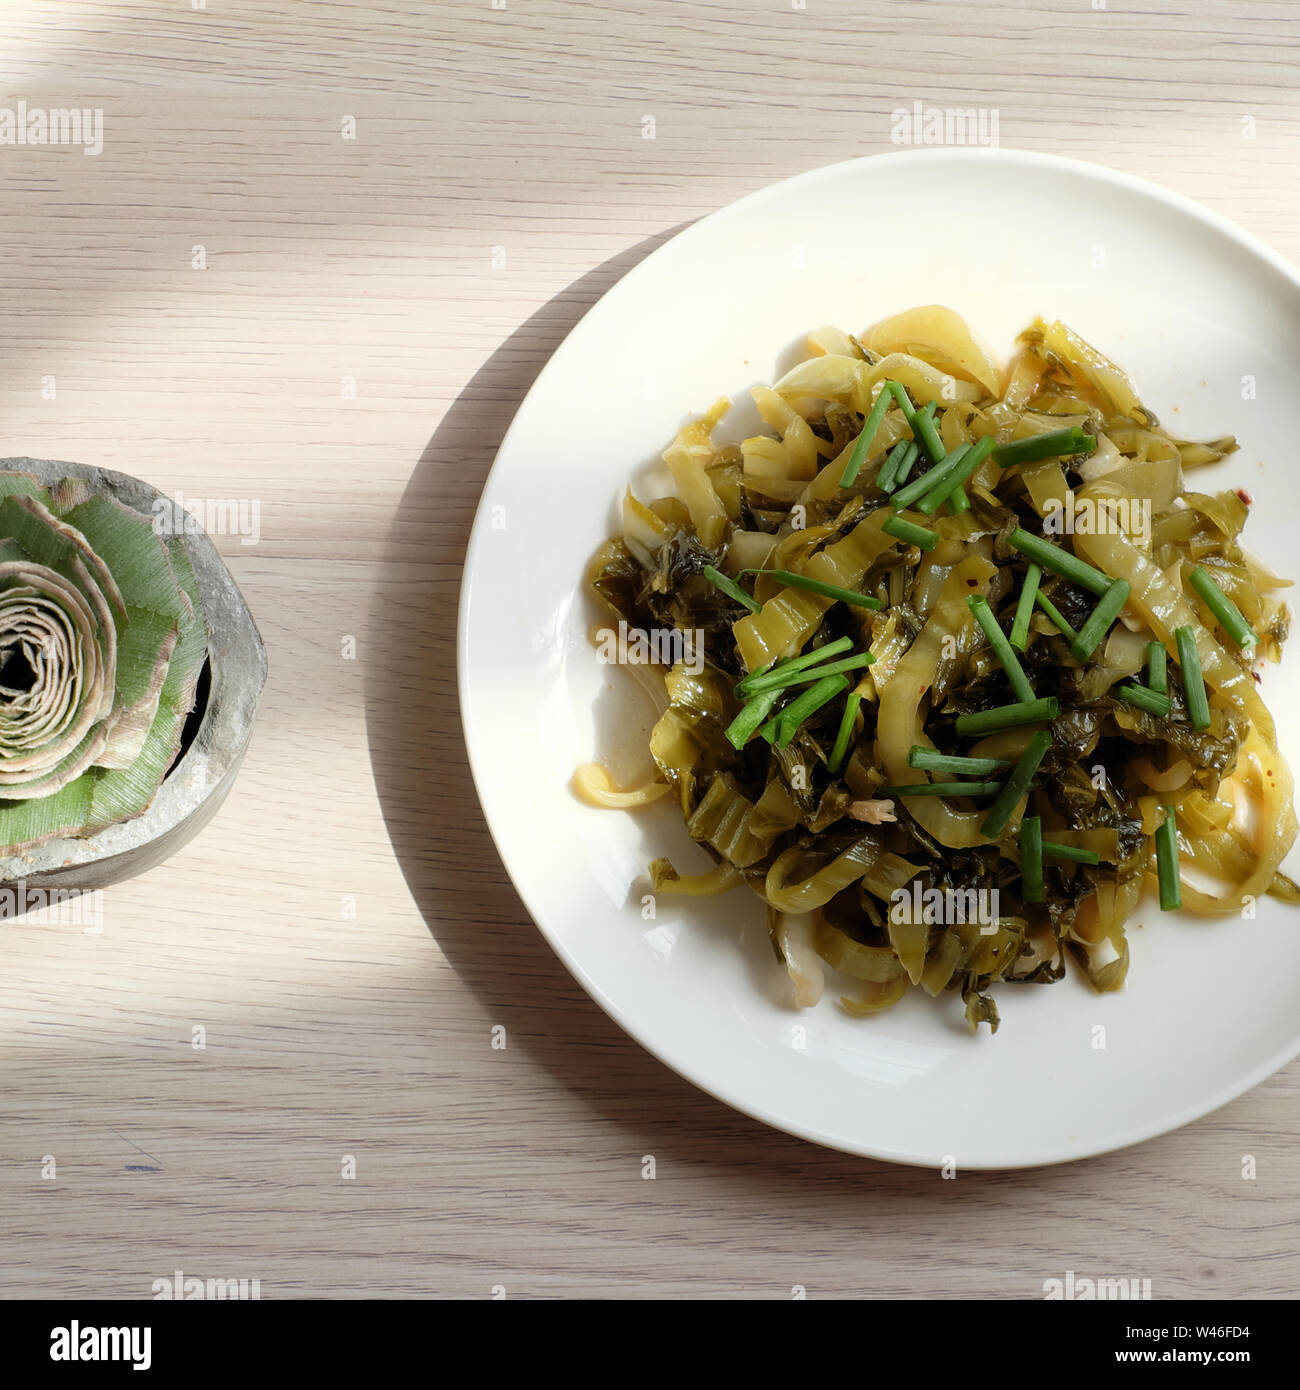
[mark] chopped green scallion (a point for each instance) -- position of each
(929, 760)
(934, 477)
(1053, 444)
(1157, 677)
(987, 619)
(943, 789)
(1078, 856)
(730, 588)
(1189, 659)
(851, 702)
(1016, 785)
(816, 586)
(947, 492)
(1031, 858)
(1171, 890)
(1025, 607)
(1100, 619)
(992, 721)
(1223, 608)
(794, 663)
(1055, 614)
(903, 530)
(805, 705)
(1150, 700)
(742, 727)
(1062, 562)
(869, 427)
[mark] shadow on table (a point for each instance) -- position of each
(438, 832)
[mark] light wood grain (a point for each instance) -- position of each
(330, 1035)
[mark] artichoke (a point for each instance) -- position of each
(102, 639)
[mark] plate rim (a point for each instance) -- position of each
(1101, 173)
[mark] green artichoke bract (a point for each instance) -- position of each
(102, 638)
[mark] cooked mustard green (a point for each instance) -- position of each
(977, 665)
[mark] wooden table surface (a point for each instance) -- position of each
(321, 256)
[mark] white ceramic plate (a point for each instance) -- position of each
(1207, 320)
